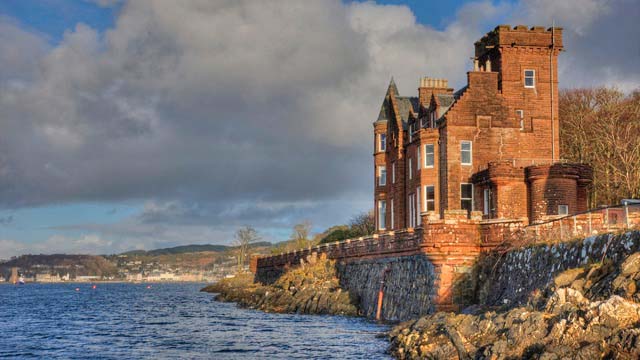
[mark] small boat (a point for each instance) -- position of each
(20, 281)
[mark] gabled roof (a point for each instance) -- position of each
(405, 104)
(445, 101)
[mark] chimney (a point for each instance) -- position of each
(429, 86)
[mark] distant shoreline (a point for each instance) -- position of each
(110, 282)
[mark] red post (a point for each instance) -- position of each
(381, 293)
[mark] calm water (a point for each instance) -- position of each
(167, 321)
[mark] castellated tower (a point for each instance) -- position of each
(490, 148)
(526, 61)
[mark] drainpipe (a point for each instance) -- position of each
(381, 292)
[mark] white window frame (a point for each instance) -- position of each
(393, 172)
(382, 213)
(520, 115)
(563, 209)
(470, 152)
(418, 207)
(410, 168)
(412, 210)
(487, 201)
(426, 156)
(472, 194)
(426, 200)
(392, 217)
(382, 142)
(382, 180)
(532, 77)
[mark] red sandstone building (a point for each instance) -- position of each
(491, 147)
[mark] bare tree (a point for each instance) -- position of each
(301, 235)
(244, 237)
(601, 127)
(363, 224)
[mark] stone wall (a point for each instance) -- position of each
(408, 289)
(510, 278)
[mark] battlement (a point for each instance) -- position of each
(519, 36)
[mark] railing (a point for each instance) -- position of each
(393, 241)
(591, 222)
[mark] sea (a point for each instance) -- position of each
(168, 321)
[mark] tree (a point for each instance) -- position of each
(601, 127)
(300, 235)
(363, 224)
(244, 237)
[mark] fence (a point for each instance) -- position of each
(592, 222)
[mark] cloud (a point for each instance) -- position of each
(6, 220)
(83, 244)
(221, 113)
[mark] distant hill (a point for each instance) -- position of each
(182, 249)
(62, 263)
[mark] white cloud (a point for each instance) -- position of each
(219, 113)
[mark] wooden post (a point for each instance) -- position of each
(381, 293)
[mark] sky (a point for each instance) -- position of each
(148, 124)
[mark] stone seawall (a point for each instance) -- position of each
(408, 290)
(510, 278)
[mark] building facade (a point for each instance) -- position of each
(492, 146)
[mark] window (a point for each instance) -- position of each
(393, 172)
(466, 197)
(418, 208)
(563, 209)
(412, 210)
(382, 175)
(430, 197)
(487, 202)
(428, 156)
(520, 116)
(410, 169)
(411, 133)
(382, 145)
(432, 116)
(529, 78)
(418, 157)
(382, 214)
(392, 217)
(465, 152)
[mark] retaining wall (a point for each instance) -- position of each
(409, 288)
(510, 278)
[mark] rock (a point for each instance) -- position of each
(565, 299)
(567, 277)
(310, 289)
(631, 265)
(570, 324)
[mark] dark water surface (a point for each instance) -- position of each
(117, 321)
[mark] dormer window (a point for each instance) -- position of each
(530, 78)
(433, 119)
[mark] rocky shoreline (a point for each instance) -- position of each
(311, 288)
(590, 312)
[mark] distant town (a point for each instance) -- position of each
(192, 263)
